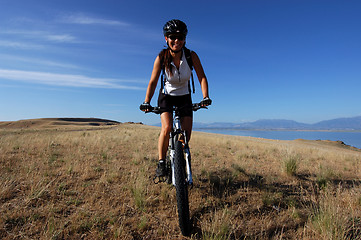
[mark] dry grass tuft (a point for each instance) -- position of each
(291, 164)
(96, 183)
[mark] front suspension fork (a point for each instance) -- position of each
(187, 157)
(188, 168)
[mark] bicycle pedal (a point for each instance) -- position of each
(160, 179)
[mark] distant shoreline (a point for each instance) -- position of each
(288, 130)
(348, 137)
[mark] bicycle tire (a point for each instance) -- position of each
(181, 190)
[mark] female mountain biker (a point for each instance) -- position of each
(175, 90)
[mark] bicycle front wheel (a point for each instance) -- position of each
(181, 189)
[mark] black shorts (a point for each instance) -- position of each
(184, 103)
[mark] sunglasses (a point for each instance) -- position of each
(174, 37)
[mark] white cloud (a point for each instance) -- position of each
(19, 45)
(43, 35)
(64, 80)
(60, 38)
(38, 61)
(82, 19)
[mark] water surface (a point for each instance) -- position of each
(352, 138)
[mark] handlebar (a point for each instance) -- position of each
(158, 110)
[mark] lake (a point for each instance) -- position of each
(349, 138)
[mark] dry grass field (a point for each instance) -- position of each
(94, 181)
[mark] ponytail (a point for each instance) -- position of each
(166, 60)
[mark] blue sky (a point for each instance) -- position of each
(294, 59)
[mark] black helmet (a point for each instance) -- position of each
(175, 26)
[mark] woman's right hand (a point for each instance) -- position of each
(145, 107)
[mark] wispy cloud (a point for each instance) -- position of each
(60, 38)
(83, 19)
(65, 80)
(37, 61)
(43, 35)
(19, 45)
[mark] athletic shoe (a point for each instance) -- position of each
(161, 169)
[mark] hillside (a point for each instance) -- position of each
(340, 123)
(56, 122)
(96, 183)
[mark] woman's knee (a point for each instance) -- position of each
(166, 129)
(166, 123)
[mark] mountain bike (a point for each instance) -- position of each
(178, 166)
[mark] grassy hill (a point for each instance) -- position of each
(56, 123)
(96, 183)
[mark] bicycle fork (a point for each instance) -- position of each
(188, 168)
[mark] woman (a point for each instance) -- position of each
(176, 90)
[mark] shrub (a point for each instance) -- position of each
(291, 164)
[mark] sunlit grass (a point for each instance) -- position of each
(97, 184)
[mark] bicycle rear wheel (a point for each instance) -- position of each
(181, 189)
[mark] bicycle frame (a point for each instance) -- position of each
(178, 134)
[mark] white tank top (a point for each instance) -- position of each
(178, 83)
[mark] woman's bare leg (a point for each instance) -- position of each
(187, 124)
(163, 142)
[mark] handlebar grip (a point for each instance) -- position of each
(197, 106)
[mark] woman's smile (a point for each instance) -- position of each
(176, 45)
